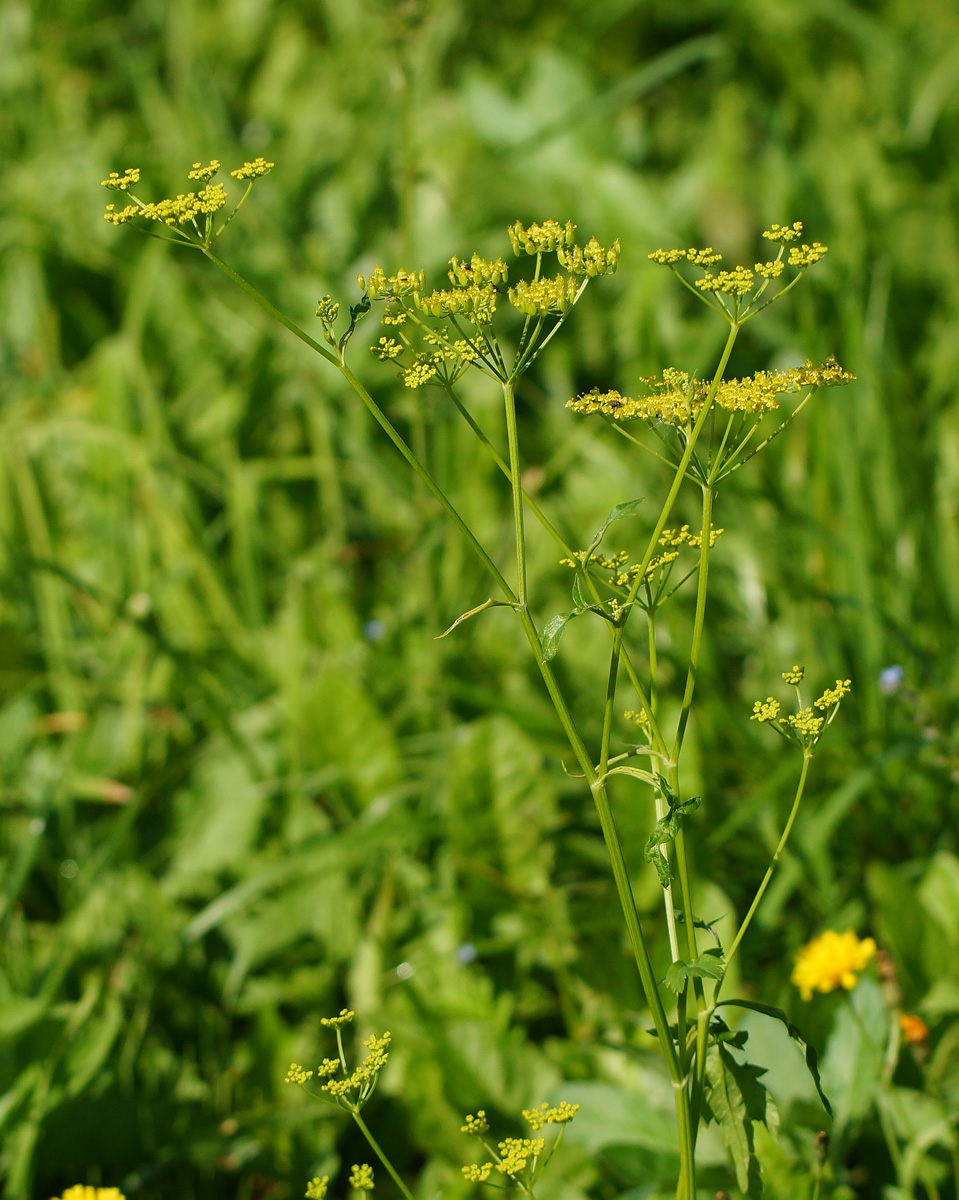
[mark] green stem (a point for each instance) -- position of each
(374, 1145)
(512, 434)
(378, 415)
(698, 622)
(777, 854)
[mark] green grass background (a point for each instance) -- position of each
(274, 802)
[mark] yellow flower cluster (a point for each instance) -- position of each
(477, 1173)
(677, 398)
(366, 1072)
(297, 1074)
(515, 1153)
(592, 259)
(328, 1067)
(421, 371)
(80, 1191)
(766, 710)
(253, 170)
(784, 233)
(477, 271)
(544, 1115)
(204, 174)
(361, 1177)
(831, 961)
(382, 286)
(120, 183)
(541, 239)
(476, 304)
(182, 209)
(544, 297)
(386, 349)
(832, 696)
(316, 1188)
(737, 282)
(477, 1124)
(345, 1016)
(804, 726)
(622, 575)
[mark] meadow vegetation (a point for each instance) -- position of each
(244, 785)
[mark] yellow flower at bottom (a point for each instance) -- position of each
(831, 961)
(80, 1191)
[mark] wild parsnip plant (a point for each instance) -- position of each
(496, 319)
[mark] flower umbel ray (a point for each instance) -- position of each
(830, 961)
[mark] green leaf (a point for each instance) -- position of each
(552, 632)
(472, 613)
(809, 1054)
(709, 965)
(626, 509)
(736, 1098)
(666, 829)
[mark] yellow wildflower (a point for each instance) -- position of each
(784, 233)
(477, 1174)
(544, 297)
(316, 1188)
(794, 675)
(346, 1015)
(253, 170)
(204, 173)
(544, 1115)
(297, 1074)
(765, 710)
(477, 1124)
(831, 961)
(120, 183)
(832, 696)
(81, 1192)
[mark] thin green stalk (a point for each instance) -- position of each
(374, 1145)
(698, 622)
(774, 862)
(512, 434)
(378, 415)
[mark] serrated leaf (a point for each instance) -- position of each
(809, 1054)
(709, 965)
(666, 829)
(728, 1108)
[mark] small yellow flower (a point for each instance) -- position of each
(316, 1188)
(81, 1192)
(832, 696)
(795, 675)
(765, 710)
(830, 961)
(297, 1074)
(476, 1173)
(914, 1029)
(361, 1177)
(253, 170)
(346, 1015)
(477, 1124)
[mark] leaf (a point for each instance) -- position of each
(809, 1054)
(733, 1096)
(626, 509)
(666, 829)
(552, 632)
(357, 313)
(709, 965)
(472, 613)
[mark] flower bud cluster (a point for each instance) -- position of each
(544, 297)
(540, 239)
(592, 259)
(120, 183)
(204, 174)
(381, 286)
(477, 271)
(476, 304)
(253, 170)
(804, 726)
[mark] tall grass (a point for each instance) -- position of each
(281, 786)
